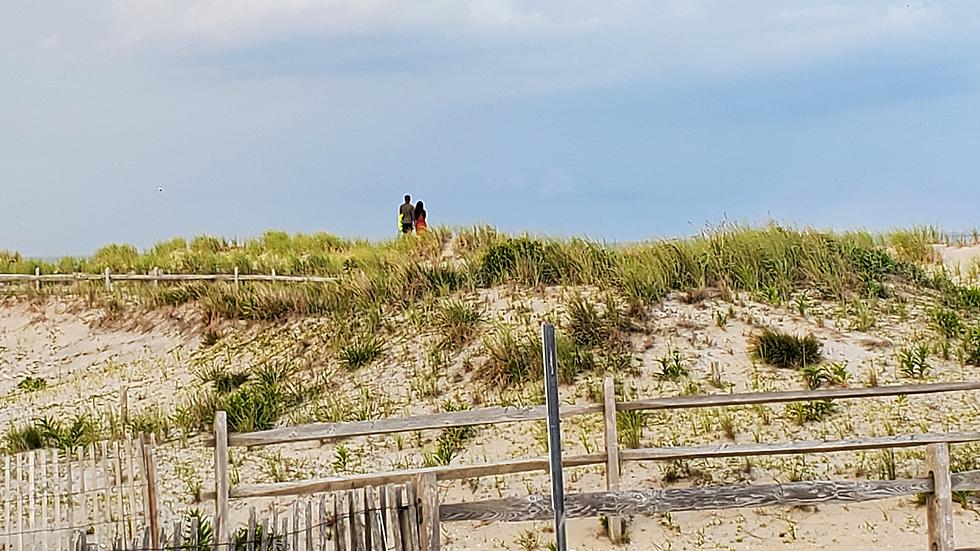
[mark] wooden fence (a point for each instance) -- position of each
(156, 276)
(386, 518)
(615, 503)
(50, 498)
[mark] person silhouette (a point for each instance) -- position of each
(406, 215)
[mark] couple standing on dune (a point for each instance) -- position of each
(412, 216)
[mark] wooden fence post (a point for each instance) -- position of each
(37, 281)
(549, 351)
(124, 407)
(150, 508)
(939, 506)
(613, 523)
(108, 279)
(236, 275)
(221, 476)
(156, 277)
(428, 496)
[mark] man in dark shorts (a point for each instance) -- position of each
(406, 214)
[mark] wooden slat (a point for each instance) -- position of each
(322, 527)
(718, 400)
(20, 502)
(807, 446)
(412, 504)
(309, 525)
(265, 534)
(326, 431)
(373, 520)
(429, 502)
(657, 501)
(250, 541)
(106, 490)
(390, 508)
(295, 534)
(939, 504)
(358, 532)
(221, 480)
(131, 474)
(118, 487)
(45, 490)
(31, 498)
(456, 472)
(93, 471)
(340, 522)
(58, 496)
(7, 491)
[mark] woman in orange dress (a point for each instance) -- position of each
(420, 225)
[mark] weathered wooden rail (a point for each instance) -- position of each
(156, 276)
(615, 503)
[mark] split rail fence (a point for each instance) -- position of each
(614, 503)
(156, 276)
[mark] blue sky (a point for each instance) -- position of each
(617, 120)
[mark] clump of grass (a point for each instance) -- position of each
(32, 384)
(946, 322)
(970, 346)
(784, 350)
(458, 322)
(630, 426)
(914, 362)
(805, 412)
(47, 432)
(360, 353)
(834, 374)
(586, 326)
(514, 358)
(451, 441)
(673, 366)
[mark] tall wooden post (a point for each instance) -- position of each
(221, 476)
(939, 506)
(151, 509)
(108, 279)
(614, 523)
(37, 280)
(550, 359)
(236, 275)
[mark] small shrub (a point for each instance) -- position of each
(672, 366)
(360, 353)
(513, 358)
(783, 350)
(914, 362)
(586, 326)
(573, 360)
(804, 412)
(32, 384)
(458, 322)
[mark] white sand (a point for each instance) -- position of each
(87, 360)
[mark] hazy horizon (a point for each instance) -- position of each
(135, 121)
